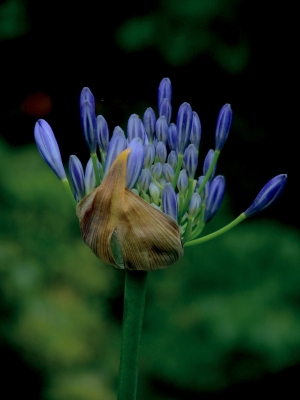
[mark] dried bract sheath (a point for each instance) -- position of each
(124, 230)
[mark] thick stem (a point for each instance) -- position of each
(134, 304)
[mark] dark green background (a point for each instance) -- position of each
(226, 318)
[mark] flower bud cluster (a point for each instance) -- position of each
(162, 163)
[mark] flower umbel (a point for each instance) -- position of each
(139, 200)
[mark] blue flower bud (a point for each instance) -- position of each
(184, 126)
(223, 126)
(168, 172)
(149, 155)
(135, 162)
(88, 122)
(145, 180)
(86, 94)
(172, 159)
(89, 176)
(183, 181)
(102, 133)
(149, 123)
(195, 136)
(162, 182)
(207, 162)
(195, 204)
(48, 147)
(164, 90)
(190, 160)
(77, 177)
(156, 171)
(267, 195)
(162, 130)
(215, 197)
(165, 109)
(169, 201)
(161, 152)
(135, 128)
(154, 191)
(116, 145)
(173, 137)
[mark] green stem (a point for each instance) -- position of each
(188, 229)
(213, 235)
(187, 200)
(134, 304)
(67, 186)
(178, 168)
(200, 226)
(210, 170)
(95, 167)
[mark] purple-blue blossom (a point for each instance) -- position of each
(77, 177)
(215, 197)
(102, 133)
(116, 145)
(207, 163)
(165, 110)
(195, 135)
(184, 126)
(164, 91)
(135, 128)
(48, 147)
(169, 201)
(149, 120)
(88, 120)
(190, 160)
(223, 126)
(195, 204)
(135, 162)
(269, 193)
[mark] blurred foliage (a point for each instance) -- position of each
(190, 28)
(13, 19)
(53, 289)
(228, 312)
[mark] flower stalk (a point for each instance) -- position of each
(133, 314)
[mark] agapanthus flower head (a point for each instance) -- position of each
(143, 200)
